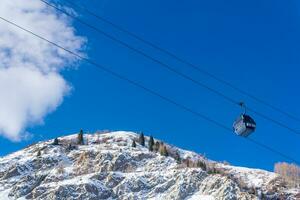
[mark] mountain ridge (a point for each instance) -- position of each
(108, 167)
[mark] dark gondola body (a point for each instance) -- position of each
(244, 125)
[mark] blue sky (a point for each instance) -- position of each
(252, 44)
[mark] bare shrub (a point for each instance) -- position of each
(225, 162)
(83, 165)
(97, 141)
(186, 162)
(290, 173)
(119, 140)
(211, 168)
(105, 140)
(240, 183)
(103, 131)
(60, 168)
(163, 149)
(67, 142)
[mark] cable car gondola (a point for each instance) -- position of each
(244, 125)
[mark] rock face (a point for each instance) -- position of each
(107, 167)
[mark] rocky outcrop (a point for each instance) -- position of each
(107, 167)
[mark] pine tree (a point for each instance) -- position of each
(55, 141)
(161, 148)
(80, 138)
(133, 144)
(142, 139)
(151, 143)
(187, 162)
(156, 146)
(177, 158)
(201, 165)
(165, 151)
(38, 153)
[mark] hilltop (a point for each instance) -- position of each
(109, 166)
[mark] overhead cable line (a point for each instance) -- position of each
(166, 66)
(182, 60)
(148, 90)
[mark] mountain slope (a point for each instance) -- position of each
(108, 167)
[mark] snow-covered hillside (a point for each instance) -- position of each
(108, 167)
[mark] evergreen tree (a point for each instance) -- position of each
(55, 141)
(133, 144)
(142, 139)
(177, 158)
(38, 153)
(151, 143)
(201, 165)
(80, 138)
(165, 151)
(187, 162)
(156, 146)
(161, 148)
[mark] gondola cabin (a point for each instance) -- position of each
(244, 125)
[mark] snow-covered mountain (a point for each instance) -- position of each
(108, 167)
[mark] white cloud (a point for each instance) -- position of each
(30, 82)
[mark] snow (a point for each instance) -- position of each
(149, 176)
(198, 196)
(4, 194)
(252, 177)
